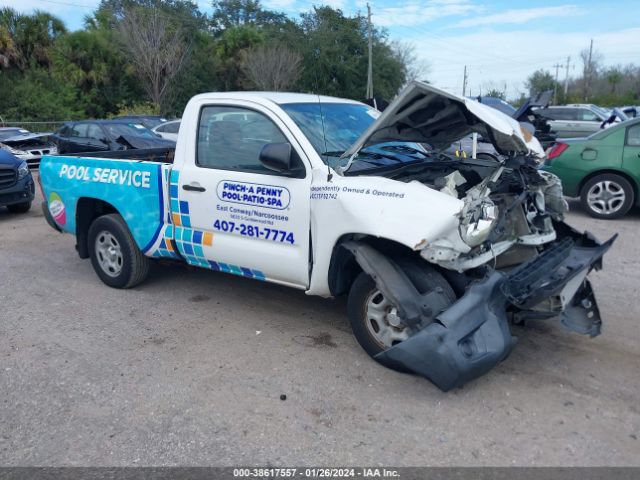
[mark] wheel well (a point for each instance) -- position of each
(87, 210)
(343, 268)
(614, 172)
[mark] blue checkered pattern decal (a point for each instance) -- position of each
(190, 243)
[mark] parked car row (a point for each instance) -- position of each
(122, 133)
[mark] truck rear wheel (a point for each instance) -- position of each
(115, 256)
(374, 319)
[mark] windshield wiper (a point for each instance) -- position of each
(335, 153)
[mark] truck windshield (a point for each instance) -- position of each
(343, 125)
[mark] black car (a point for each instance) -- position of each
(16, 183)
(106, 135)
(149, 121)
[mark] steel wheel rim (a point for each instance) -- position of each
(606, 197)
(109, 253)
(382, 321)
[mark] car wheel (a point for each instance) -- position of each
(374, 319)
(607, 196)
(115, 256)
(19, 207)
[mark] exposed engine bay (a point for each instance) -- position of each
(510, 204)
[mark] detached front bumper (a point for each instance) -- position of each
(472, 336)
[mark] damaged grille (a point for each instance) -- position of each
(8, 177)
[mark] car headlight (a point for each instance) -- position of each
(23, 170)
(478, 223)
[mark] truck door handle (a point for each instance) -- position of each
(193, 188)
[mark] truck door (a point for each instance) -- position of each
(230, 212)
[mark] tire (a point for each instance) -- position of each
(19, 207)
(114, 254)
(363, 291)
(608, 196)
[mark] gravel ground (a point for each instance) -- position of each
(189, 368)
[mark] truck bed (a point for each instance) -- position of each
(124, 181)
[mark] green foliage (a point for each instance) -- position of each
(539, 81)
(37, 96)
(335, 56)
(89, 60)
(141, 108)
(55, 74)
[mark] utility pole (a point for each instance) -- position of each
(566, 79)
(587, 73)
(557, 66)
(370, 68)
(464, 81)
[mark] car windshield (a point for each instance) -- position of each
(128, 130)
(602, 111)
(333, 127)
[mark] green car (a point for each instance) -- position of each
(602, 169)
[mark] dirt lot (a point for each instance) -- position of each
(188, 369)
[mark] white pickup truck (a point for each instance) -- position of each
(438, 254)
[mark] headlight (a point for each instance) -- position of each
(479, 223)
(23, 170)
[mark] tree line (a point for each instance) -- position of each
(609, 86)
(151, 56)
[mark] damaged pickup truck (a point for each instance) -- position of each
(437, 254)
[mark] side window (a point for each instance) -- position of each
(550, 113)
(570, 114)
(161, 128)
(633, 136)
(65, 131)
(234, 142)
(172, 128)
(79, 130)
(94, 132)
(587, 116)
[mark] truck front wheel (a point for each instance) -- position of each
(374, 319)
(115, 256)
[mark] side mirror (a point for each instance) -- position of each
(277, 157)
(104, 140)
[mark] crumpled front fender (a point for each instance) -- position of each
(465, 342)
(472, 336)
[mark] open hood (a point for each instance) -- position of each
(144, 142)
(425, 114)
(22, 137)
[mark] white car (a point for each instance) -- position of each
(168, 130)
(26, 145)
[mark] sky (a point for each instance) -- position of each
(500, 41)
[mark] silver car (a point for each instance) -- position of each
(168, 130)
(577, 120)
